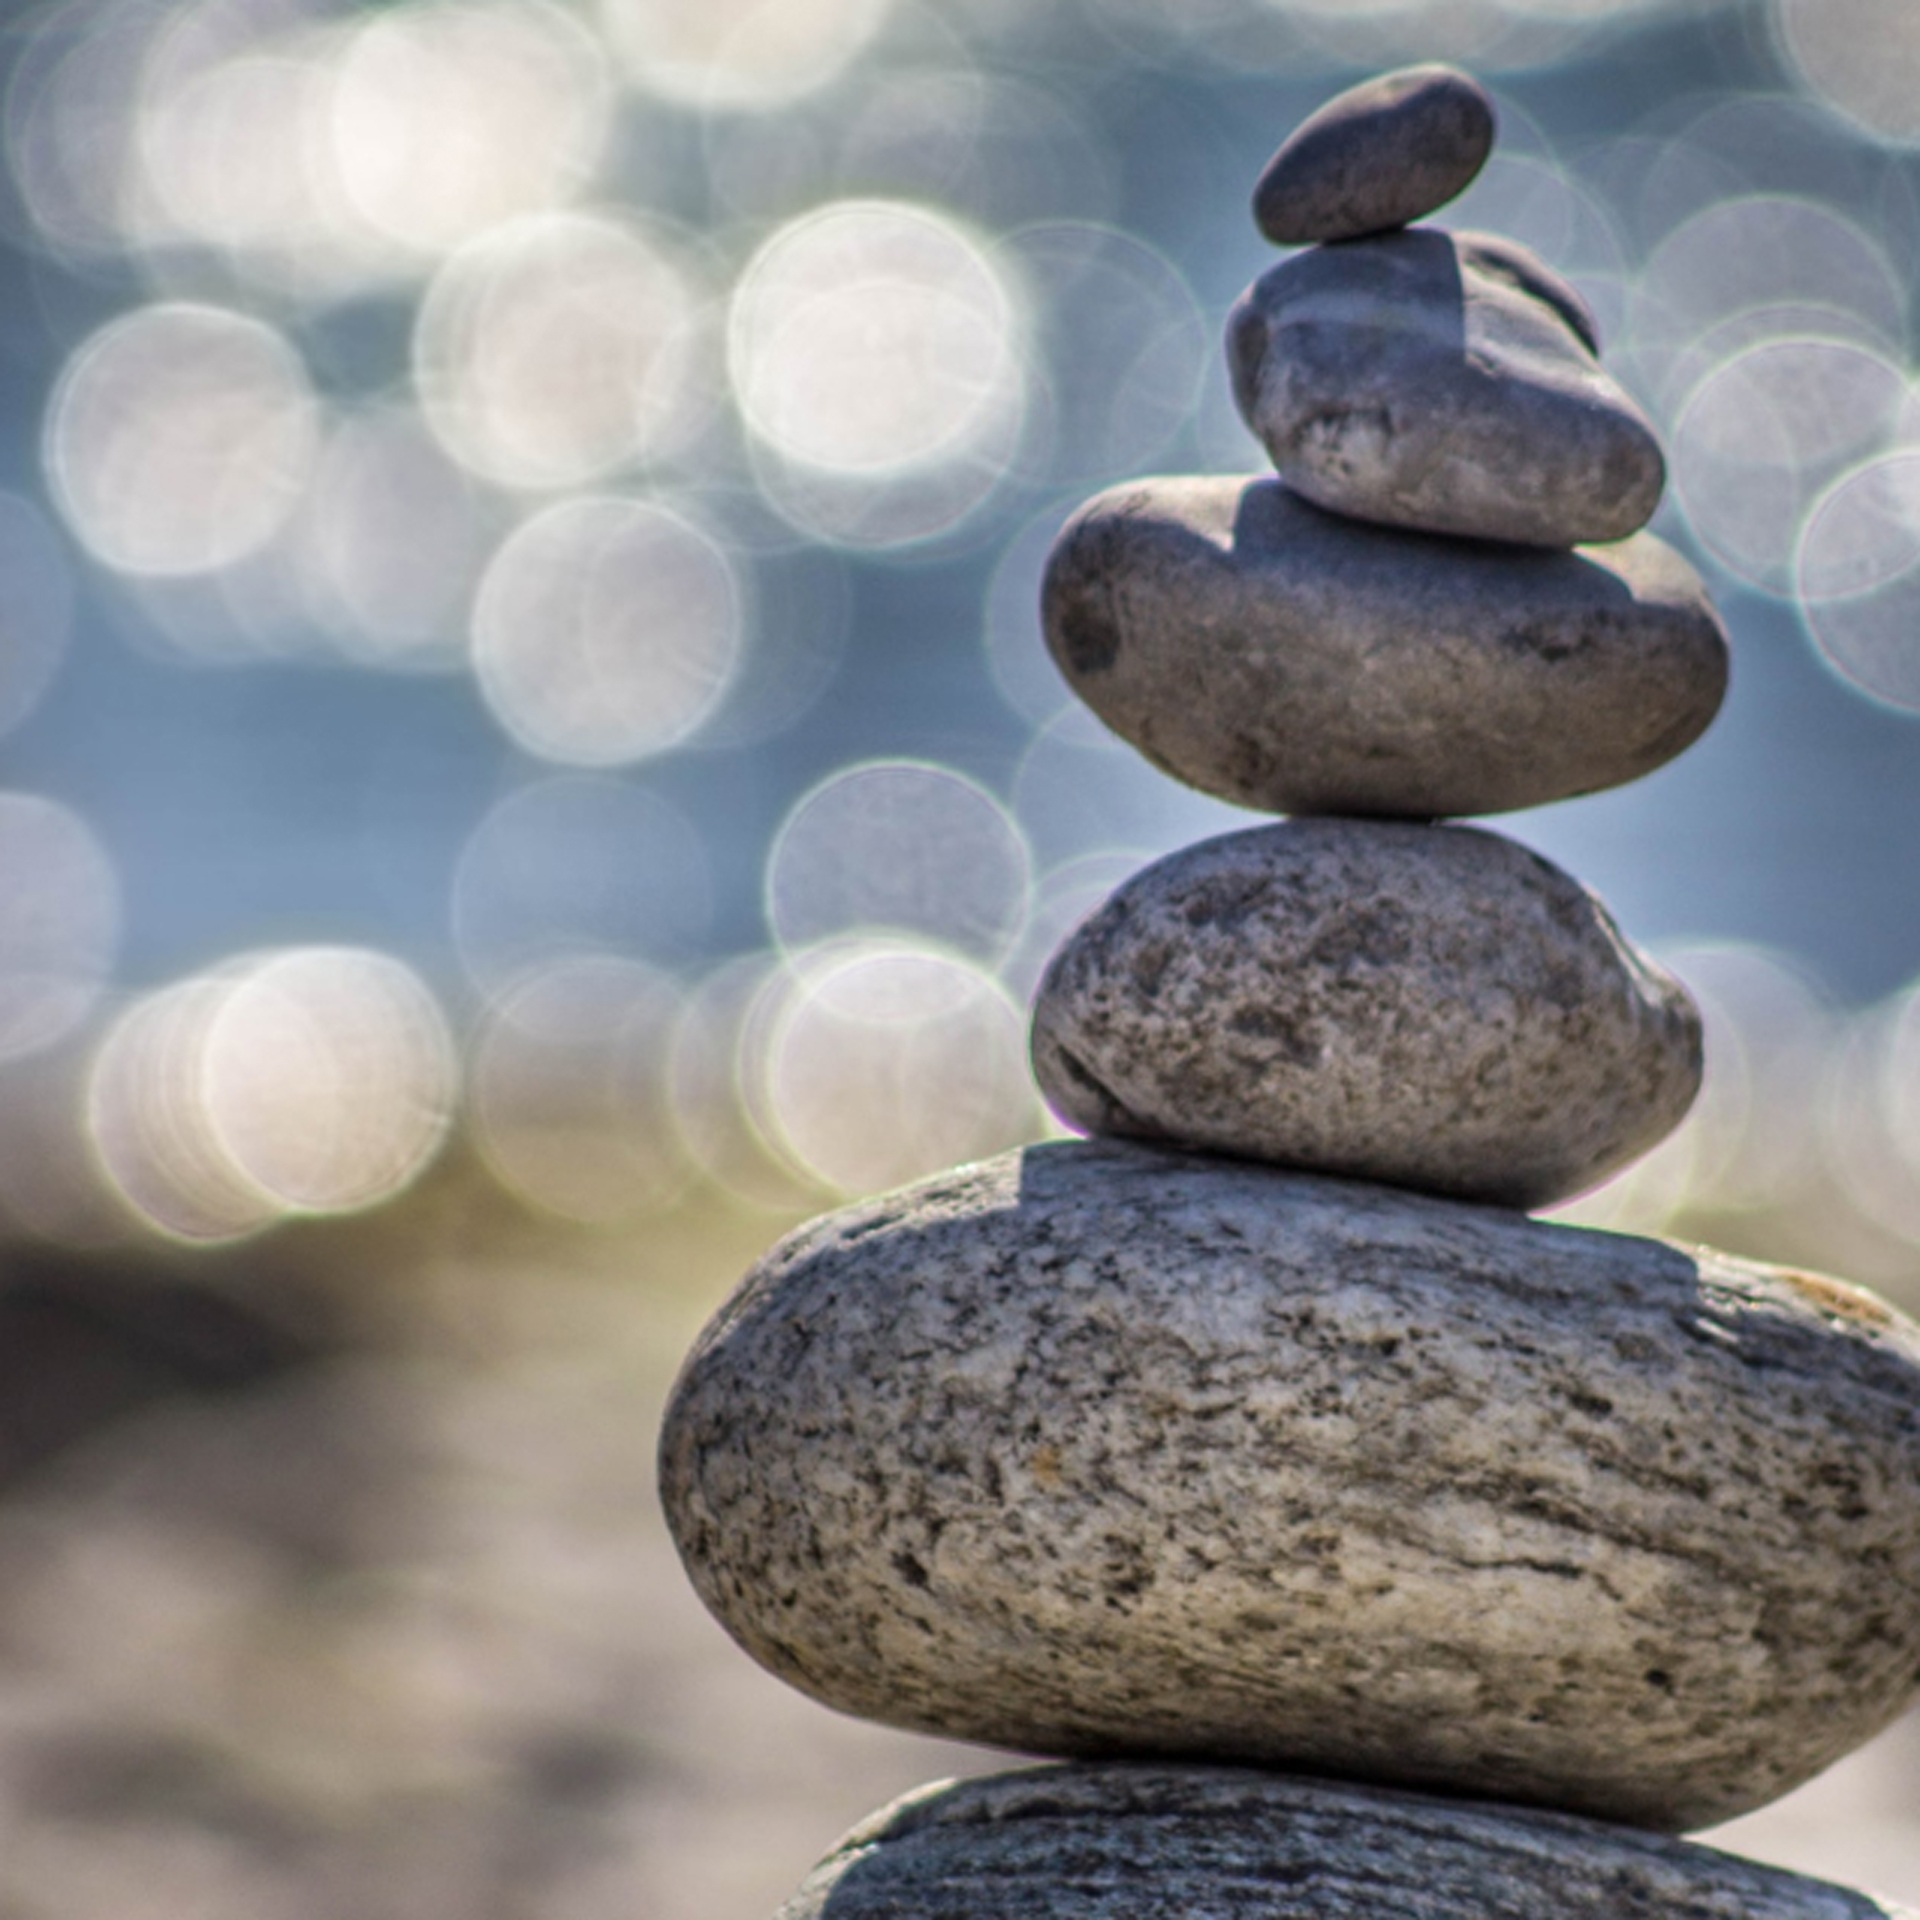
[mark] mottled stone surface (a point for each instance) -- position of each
(1292, 660)
(1435, 1007)
(1443, 382)
(1197, 1843)
(1095, 1450)
(1393, 149)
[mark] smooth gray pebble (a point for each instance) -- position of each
(1446, 383)
(1389, 151)
(1295, 661)
(1435, 1007)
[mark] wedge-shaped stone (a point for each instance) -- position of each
(1202, 1843)
(1445, 382)
(1096, 1450)
(1393, 149)
(1300, 662)
(1435, 1007)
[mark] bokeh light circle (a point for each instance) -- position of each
(180, 438)
(279, 217)
(894, 511)
(1763, 250)
(1858, 578)
(606, 630)
(390, 542)
(74, 119)
(1763, 434)
(742, 55)
(148, 1124)
(571, 1093)
(1679, 368)
(450, 116)
(305, 1080)
(886, 1062)
(327, 1076)
(559, 348)
(1862, 57)
(905, 846)
(870, 338)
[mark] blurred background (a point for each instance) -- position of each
(528, 767)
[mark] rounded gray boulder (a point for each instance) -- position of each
(1435, 1007)
(1199, 1843)
(1299, 662)
(1445, 383)
(1093, 1450)
(1391, 150)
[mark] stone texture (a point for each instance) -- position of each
(1098, 1450)
(1434, 1007)
(1443, 382)
(1500, 258)
(1193, 1843)
(1298, 662)
(1390, 150)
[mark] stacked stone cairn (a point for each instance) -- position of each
(1364, 1546)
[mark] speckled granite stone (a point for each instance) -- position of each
(1436, 1007)
(1193, 1843)
(1096, 1450)
(1393, 149)
(1300, 662)
(1445, 382)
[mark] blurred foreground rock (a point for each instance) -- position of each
(349, 1600)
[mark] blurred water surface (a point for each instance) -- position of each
(529, 765)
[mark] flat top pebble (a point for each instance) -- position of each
(1384, 153)
(1443, 382)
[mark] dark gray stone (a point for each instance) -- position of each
(1194, 1843)
(1298, 662)
(1095, 1450)
(1390, 150)
(1435, 1007)
(1443, 382)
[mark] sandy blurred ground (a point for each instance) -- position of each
(333, 1587)
(338, 1598)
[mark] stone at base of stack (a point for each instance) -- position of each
(1101, 1450)
(1194, 1843)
